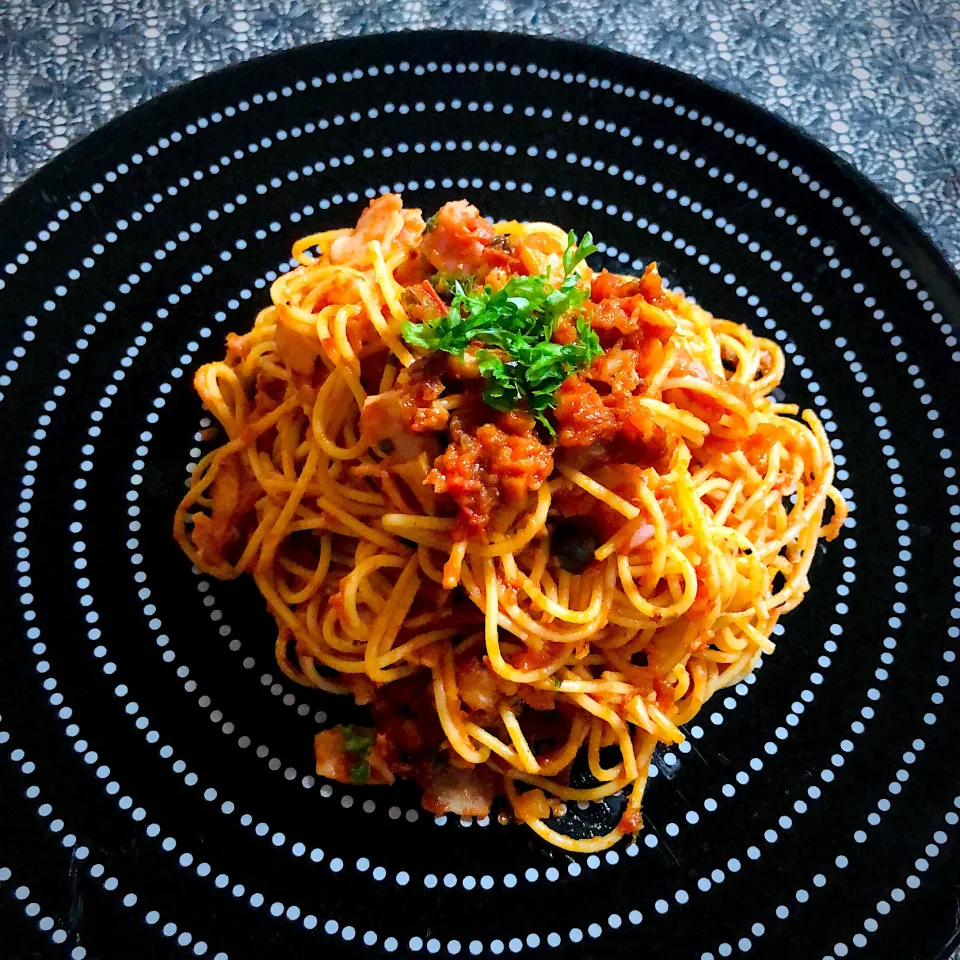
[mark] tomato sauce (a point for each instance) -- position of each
(486, 457)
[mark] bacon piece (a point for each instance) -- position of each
(531, 805)
(477, 686)
(456, 239)
(410, 408)
(386, 220)
(335, 763)
(233, 495)
(298, 342)
(464, 792)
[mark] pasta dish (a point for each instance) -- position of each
(528, 513)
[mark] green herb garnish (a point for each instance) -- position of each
(446, 283)
(361, 772)
(358, 741)
(519, 320)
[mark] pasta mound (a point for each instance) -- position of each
(521, 509)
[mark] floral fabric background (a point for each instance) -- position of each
(878, 81)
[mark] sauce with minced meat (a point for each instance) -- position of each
(487, 458)
(475, 459)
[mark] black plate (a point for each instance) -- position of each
(158, 799)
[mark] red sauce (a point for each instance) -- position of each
(582, 416)
(412, 408)
(704, 599)
(501, 254)
(586, 418)
(530, 659)
(649, 286)
(456, 238)
(606, 285)
(486, 458)
(631, 821)
(486, 465)
(414, 269)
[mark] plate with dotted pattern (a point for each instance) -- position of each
(158, 793)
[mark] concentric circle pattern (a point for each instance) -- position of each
(158, 795)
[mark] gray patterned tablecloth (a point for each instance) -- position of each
(878, 81)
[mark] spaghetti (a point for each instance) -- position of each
(525, 511)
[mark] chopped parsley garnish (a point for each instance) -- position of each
(358, 742)
(519, 321)
(361, 772)
(446, 283)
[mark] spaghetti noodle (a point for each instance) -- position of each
(523, 510)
